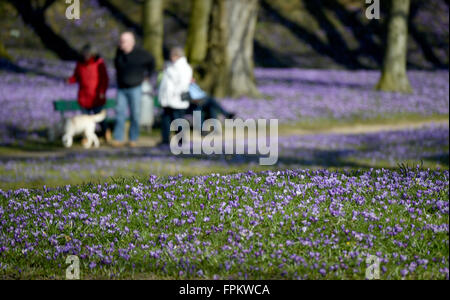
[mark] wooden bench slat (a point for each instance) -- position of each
(62, 105)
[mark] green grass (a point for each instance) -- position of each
(311, 126)
(328, 124)
(37, 172)
(53, 178)
(26, 177)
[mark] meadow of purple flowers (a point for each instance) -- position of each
(296, 224)
(295, 95)
(285, 223)
(393, 147)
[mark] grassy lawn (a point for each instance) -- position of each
(33, 164)
(306, 126)
(387, 122)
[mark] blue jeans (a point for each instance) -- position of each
(128, 99)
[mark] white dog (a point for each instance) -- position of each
(83, 124)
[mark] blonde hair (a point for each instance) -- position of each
(177, 51)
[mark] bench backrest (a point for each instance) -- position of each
(72, 105)
(63, 105)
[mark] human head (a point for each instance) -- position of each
(88, 51)
(176, 53)
(127, 42)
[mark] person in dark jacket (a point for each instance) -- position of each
(92, 77)
(132, 64)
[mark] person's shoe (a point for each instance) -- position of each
(108, 136)
(117, 144)
(84, 142)
(132, 145)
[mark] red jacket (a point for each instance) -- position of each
(93, 80)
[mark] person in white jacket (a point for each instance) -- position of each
(175, 82)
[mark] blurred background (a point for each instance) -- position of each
(335, 79)
(289, 33)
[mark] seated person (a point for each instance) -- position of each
(210, 107)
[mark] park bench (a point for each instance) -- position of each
(63, 106)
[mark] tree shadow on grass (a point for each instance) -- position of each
(335, 40)
(365, 34)
(28, 140)
(442, 159)
(421, 38)
(33, 146)
(312, 158)
(268, 58)
(333, 51)
(320, 83)
(9, 66)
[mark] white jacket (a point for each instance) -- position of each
(176, 80)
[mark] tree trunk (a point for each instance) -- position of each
(153, 30)
(197, 41)
(36, 19)
(394, 77)
(229, 65)
(3, 52)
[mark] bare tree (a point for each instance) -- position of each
(197, 41)
(229, 64)
(153, 30)
(394, 77)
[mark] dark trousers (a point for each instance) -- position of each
(169, 115)
(94, 111)
(210, 108)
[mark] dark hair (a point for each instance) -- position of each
(88, 49)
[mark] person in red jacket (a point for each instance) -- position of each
(92, 78)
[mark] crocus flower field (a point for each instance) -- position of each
(293, 224)
(334, 202)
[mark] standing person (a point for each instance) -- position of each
(175, 82)
(92, 78)
(132, 64)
